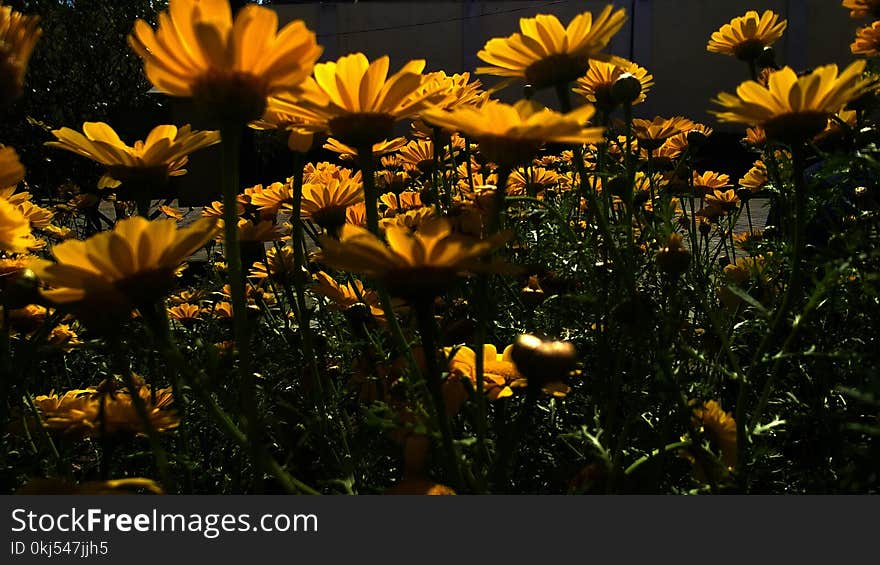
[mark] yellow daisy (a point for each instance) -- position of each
(112, 272)
(163, 154)
(355, 99)
(230, 67)
(597, 86)
(792, 108)
(412, 264)
(867, 41)
(512, 135)
(326, 203)
(545, 53)
(15, 229)
(747, 36)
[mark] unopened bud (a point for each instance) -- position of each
(543, 361)
(626, 89)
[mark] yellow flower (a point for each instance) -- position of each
(355, 99)
(791, 108)
(747, 36)
(251, 231)
(18, 36)
(164, 153)
(756, 177)
(15, 229)
(411, 219)
(171, 212)
(348, 153)
(418, 154)
(278, 266)
(652, 133)
(91, 412)
(708, 182)
(184, 312)
(755, 136)
(719, 427)
(454, 90)
(538, 179)
(500, 375)
(112, 272)
(407, 200)
(863, 8)
(268, 200)
(597, 85)
(326, 203)
(412, 264)
(867, 41)
(344, 296)
(357, 214)
(512, 135)
(545, 53)
(726, 200)
(229, 67)
(11, 170)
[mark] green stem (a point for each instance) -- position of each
(371, 196)
(159, 454)
(645, 458)
(425, 314)
(231, 135)
(197, 382)
(298, 280)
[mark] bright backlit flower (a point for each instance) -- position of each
(792, 108)
(18, 36)
(512, 135)
(545, 53)
(355, 99)
(747, 36)
(164, 153)
(229, 67)
(15, 229)
(867, 41)
(113, 272)
(597, 86)
(500, 375)
(412, 264)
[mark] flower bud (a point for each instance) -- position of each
(673, 258)
(767, 59)
(18, 289)
(543, 361)
(626, 89)
(696, 139)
